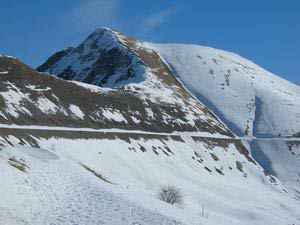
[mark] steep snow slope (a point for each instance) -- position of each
(249, 99)
(220, 183)
(281, 159)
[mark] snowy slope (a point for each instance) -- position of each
(99, 155)
(56, 189)
(251, 100)
(280, 158)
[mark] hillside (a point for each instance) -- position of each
(250, 100)
(56, 176)
(95, 134)
(29, 98)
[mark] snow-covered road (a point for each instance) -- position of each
(121, 131)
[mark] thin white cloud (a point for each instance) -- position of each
(155, 20)
(90, 14)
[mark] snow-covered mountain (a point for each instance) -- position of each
(93, 137)
(250, 100)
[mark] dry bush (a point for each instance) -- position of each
(171, 195)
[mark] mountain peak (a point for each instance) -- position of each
(101, 55)
(103, 29)
(104, 34)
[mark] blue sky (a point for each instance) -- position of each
(265, 31)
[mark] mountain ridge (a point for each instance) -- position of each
(215, 77)
(38, 99)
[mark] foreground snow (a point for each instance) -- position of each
(57, 189)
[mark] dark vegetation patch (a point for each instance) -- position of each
(296, 135)
(132, 149)
(200, 160)
(177, 138)
(197, 154)
(168, 149)
(271, 177)
(227, 77)
(154, 150)
(239, 166)
(142, 148)
(2, 144)
(214, 157)
(219, 171)
(211, 143)
(209, 170)
(171, 195)
(165, 153)
(18, 164)
(292, 145)
(243, 150)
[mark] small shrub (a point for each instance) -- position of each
(171, 195)
(203, 213)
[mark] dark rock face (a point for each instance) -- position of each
(54, 59)
(100, 60)
(113, 62)
(296, 135)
